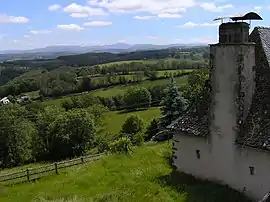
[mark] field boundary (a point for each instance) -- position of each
(31, 174)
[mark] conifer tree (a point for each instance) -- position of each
(173, 103)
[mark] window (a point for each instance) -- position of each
(251, 170)
(198, 154)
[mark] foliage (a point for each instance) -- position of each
(133, 125)
(138, 97)
(196, 83)
(72, 133)
(173, 103)
(64, 80)
(43, 140)
(138, 139)
(151, 130)
(16, 137)
(33, 109)
(121, 145)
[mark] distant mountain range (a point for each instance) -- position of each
(51, 52)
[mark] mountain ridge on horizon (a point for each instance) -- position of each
(114, 48)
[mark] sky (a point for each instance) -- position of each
(28, 24)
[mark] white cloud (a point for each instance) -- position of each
(150, 6)
(13, 19)
(146, 17)
(97, 23)
(193, 24)
(79, 15)
(214, 8)
(70, 27)
(168, 15)
(80, 10)
(54, 7)
(35, 32)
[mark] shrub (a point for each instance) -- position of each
(122, 145)
(138, 139)
(138, 97)
(133, 125)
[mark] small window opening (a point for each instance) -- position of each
(251, 170)
(198, 154)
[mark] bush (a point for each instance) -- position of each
(133, 125)
(138, 139)
(138, 97)
(122, 145)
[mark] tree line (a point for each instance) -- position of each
(66, 80)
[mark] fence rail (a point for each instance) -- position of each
(31, 174)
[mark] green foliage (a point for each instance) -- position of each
(60, 81)
(173, 103)
(122, 145)
(152, 130)
(16, 137)
(138, 139)
(138, 97)
(196, 83)
(33, 109)
(133, 125)
(72, 134)
(43, 140)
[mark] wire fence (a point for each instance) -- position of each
(31, 174)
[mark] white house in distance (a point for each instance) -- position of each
(225, 136)
(4, 101)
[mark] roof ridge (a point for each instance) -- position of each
(262, 27)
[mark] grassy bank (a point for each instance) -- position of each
(145, 175)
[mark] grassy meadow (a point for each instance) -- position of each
(144, 175)
(120, 89)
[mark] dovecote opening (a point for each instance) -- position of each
(198, 154)
(251, 170)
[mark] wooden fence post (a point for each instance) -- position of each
(82, 160)
(27, 174)
(56, 168)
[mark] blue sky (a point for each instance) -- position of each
(27, 24)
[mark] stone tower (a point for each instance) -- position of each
(232, 61)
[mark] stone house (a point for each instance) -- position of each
(225, 136)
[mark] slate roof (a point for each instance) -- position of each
(264, 36)
(195, 119)
(256, 128)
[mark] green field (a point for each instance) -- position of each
(115, 119)
(129, 61)
(144, 175)
(121, 89)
